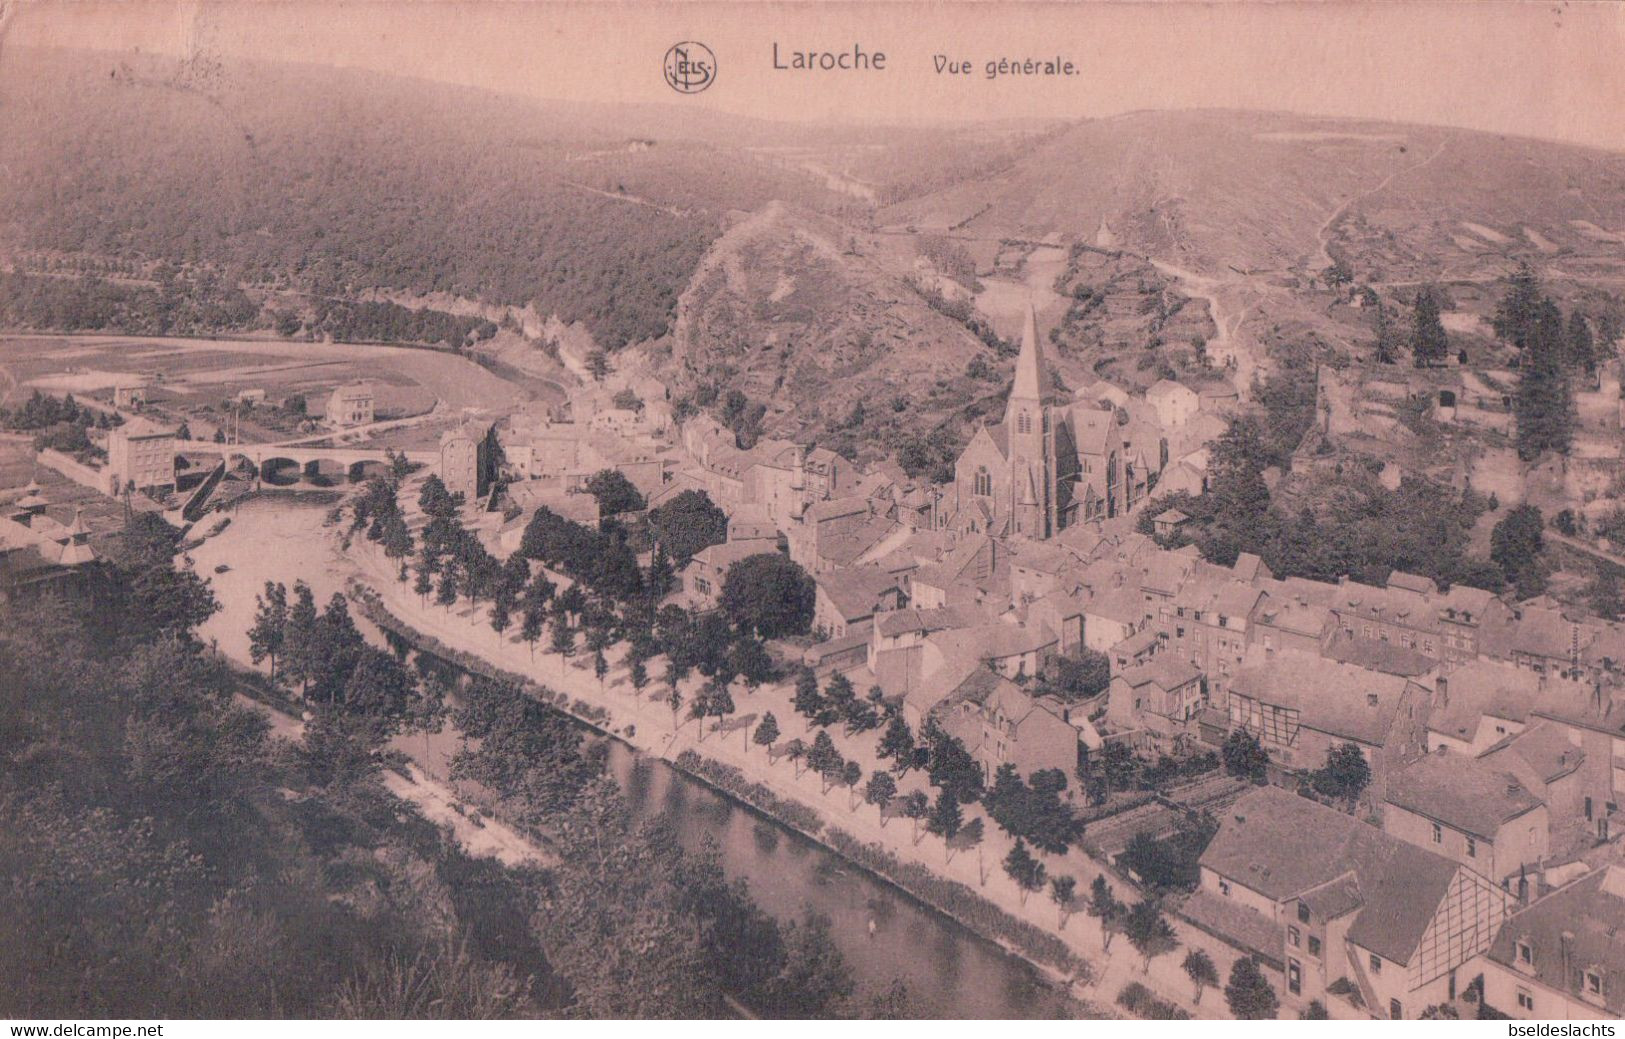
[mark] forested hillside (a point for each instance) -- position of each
(333, 182)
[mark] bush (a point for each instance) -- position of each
(1139, 1001)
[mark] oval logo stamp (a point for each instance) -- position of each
(690, 67)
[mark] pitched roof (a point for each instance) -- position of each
(1467, 794)
(1375, 655)
(1575, 928)
(1331, 697)
(1164, 671)
(1284, 845)
(944, 618)
(1544, 748)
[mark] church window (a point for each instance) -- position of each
(984, 482)
(1024, 423)
(1046, 422)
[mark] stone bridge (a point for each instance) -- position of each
(287, 464)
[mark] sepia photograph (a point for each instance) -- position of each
(598, 511)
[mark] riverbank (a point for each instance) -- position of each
(1044, 952)
(645, 722)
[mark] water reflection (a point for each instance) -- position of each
(949, 971)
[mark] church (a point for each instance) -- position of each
(1055, 460)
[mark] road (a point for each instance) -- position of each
(647, 723)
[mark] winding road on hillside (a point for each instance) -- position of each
(1323, 233)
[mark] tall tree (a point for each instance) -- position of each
(1544, 405)
(1429, 343)
(1026, 871)
(1105, 907)
(767, 733)
(769, 595)
(270, 630)
(1149, 933)
(896, 744)
(300, 652)
(1249, 994)
(1198, 966)
(687, 523)
(1516, 543)
(1580, 348)
(1063, 890)
(946, 819)
(880, 791)
(916, 806)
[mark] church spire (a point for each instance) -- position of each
(1032, 376)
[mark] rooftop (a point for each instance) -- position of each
(1466, 794)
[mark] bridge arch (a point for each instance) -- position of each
(279, 471)
(366, 468)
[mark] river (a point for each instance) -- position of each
(950, 972)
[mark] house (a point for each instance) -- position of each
(752, 523)
(1159, 699)
(1563, 958)
(1469, 811)
(846, 601)
(350, 405)
(1169, 522)
(141, 456)
(1301, 706)
(1478, 705)
(1335, 905)
(704, 574)
(468, 459)
(1173, 403)
(1546, 642)
(1453, 626)
(1009, 726)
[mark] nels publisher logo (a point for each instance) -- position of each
(690, 67)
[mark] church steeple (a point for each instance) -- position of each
(1032, 375)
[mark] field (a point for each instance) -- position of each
(187, 376)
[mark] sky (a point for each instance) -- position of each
(1539, 69)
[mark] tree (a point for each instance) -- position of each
(851, 776)
(1580, 348)
(446, 593)
(1149, 932)
(563, 635)
(380, 691)
(1063, 889)
(749, 659)
(1076, 678)
(1244, 756)
(916, 806)
(638, 675)
(795, 750)
(299, 643)
(1248, 994)
(1345, 774)
(1387, 336)
(1199, 968)
(946, 818)
(598, 365)
(769, 595)
(1026, 871)
(824, 759)
(1607, 600)
(1544, 405)
(674, 700)
(1316, 1011)
(880, 791)
(266, 637)
(686, 524)
(1105, 907)
(615, 493)
(951, 766)
(897, 743)
(808, 701)
(423, 583)
(501, 617)
(1429, 343)
(719, 703)
(531, 623)
(767, 733)
(1516, 544)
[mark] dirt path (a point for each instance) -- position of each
(1229, 310)
(1323, 233)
